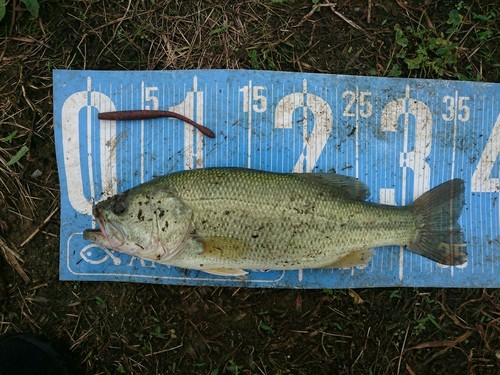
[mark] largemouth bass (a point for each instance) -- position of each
(227, 220)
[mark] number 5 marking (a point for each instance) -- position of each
(150, 97)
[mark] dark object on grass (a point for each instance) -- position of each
(149, 114)
(27, 354)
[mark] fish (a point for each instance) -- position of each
(226, 221)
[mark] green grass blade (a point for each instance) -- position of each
(22, 151)
(2, 9)
(32, 6)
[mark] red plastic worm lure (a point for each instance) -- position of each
(149, 114)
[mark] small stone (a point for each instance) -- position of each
(36, 173)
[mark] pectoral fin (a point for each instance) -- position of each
(357, 258)
(224, 247)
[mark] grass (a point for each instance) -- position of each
(426, 50)
(31, 5)
(133, 328)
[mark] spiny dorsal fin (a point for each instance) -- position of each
(350, 186)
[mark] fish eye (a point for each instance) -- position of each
(120, 205)
(119, 208)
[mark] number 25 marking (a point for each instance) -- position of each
(365, 107)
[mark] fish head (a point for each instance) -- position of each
(148, 222)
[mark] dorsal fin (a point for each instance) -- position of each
(350, 186)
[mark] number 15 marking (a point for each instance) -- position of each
(253, 98)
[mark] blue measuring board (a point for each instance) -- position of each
(400, 136)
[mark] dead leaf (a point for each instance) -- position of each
(355, 296)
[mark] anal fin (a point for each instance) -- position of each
(226, 271)
(357, 258)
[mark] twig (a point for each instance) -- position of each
(438, 344)
(164, 350)
(308, 15)
(14, 259)
(403, 5)
(402, 350)
(119, 22)
(37, 230)
(363, 348)
(352, 23)
(369, 15)
(410, 370)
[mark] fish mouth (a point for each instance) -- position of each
(108, 234)
(95, 235)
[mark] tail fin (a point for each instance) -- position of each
(439, 237)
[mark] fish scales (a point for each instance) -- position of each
(288, 221)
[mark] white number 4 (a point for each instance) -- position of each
(482, 182)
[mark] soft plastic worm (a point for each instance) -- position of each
(149, 114)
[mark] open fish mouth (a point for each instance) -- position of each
(108, 234)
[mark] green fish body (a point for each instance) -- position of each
(228, 220)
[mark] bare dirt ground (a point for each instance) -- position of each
(144, 329)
